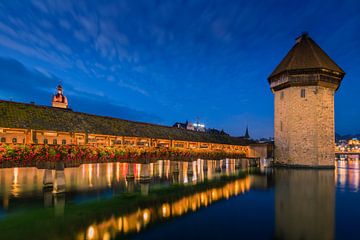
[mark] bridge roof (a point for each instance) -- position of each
(29, 116)
(306, 54)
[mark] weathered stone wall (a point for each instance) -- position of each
(304, 127)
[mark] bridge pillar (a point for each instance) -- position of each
(130, 172)
(145, 179)
(176, 170)
(145, 173)
(59, 183)
(59, 204)
(223, 165)
(48, 179)
(144, 188)
(190, 171)
(205, 166)
(217, 166)
(48, 197)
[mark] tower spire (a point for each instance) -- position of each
(247, 135)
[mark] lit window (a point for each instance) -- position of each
(45, 141)
(282, 95)
(55, 142)
(3, 139)
(63, 142)
(14, 140)
(302, 94)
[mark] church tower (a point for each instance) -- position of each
(304, 84)
(59, 100)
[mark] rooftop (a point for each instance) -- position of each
(306, 54)
(29, 116)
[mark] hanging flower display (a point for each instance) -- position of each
(85, 154)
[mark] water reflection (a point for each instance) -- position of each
(347, 175)
(102, 180)
(136, 221)
(304, 204)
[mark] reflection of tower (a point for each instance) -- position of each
(304, 204)
(304, 84)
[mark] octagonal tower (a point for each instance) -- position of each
(304, 84)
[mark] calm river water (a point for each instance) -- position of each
(180, 200)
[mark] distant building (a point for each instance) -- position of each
(59, 100)
(199, 127)
(187, 125)
(216, 131)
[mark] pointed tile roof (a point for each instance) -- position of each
(306, 54)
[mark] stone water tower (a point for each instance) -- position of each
(304, 84)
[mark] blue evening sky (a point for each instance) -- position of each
(175, 60)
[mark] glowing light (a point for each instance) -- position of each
(165, 210)
(91, 232)
(119, 224)
(106, 236)
(146, 216)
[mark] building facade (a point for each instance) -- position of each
(304, 84)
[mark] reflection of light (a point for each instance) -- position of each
(151, 169)
(126, 225)
(139, 219)
(117, 171)
(15, 186)
(109, 173)
(106, 236)
(91, 232)
(16, 173)
(120, 224)
(97, 170)
(146, 216)
(90, 175)
(167, 168)
(165, 209)
(138, 169)
(160, 166)
(138, 226)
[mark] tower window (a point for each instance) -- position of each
(14, 140)
(281, 95)
(3, 139)
(281, 126)
(45, 141)
(55, 142)
(63, 142)
(302, 93)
